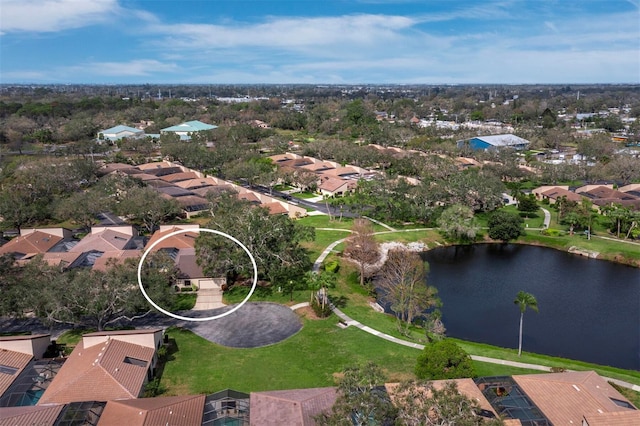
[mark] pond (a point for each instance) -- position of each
(589, 309)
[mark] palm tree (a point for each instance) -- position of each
(524, 300)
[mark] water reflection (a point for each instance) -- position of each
(589, 309)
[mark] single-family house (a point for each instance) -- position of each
(37, 241)
(105, 366)
(181, 248)
(295, 407)
(332, 186)
(168, 410)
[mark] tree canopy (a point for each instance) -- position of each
(505, 226)
(444, 360)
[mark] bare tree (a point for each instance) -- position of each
(362, 247)
(403, 284)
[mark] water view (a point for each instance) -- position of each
(589, 309)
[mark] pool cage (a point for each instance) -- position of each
(226, 408)
(510, 401)
(31, 383)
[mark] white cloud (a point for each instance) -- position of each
(53, 15)
(133, 68)
(287, 33)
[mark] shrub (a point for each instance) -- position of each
(444, 360)
(551, 232)
(332, 266)
(319, 310)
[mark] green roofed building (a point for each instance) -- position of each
(184, 130)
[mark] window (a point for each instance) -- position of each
(8, 370)
(135, 361)
(621, 403)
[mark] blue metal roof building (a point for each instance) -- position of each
(495, 141)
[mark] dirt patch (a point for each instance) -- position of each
(308, 313)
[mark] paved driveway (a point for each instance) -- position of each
(251, 326)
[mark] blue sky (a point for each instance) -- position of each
(320, 41)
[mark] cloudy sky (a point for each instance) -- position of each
(320, 41)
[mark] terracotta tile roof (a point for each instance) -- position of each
(186, 410)
(290, 407)
(608, 193)
(183, 240)
(249, 196)
(17, 361)
(177, 177)
(100, 373)
(62, 259)
(331, 184)
(35, 242)
(104, 241)
(557, 192)
(565, 398)
(618, 418)
(191, 202)
(117, 256)
(196, 183)
(466, 387)
(145, 177)
(29, 415)
(342, 171)
(276, 208)
(154, 165)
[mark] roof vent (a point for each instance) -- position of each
(576, 388)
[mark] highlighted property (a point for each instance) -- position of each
(180, 317)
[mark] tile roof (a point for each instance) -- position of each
(290, 407)
(186, 239)
(196, 183)
(565, 398)
(106, 240)
(331, 184)
(29, 415)
(187, 263)
(558, 192)
(186, 410)
(177, 177)
(276, 208)
(618, 418)
(116, 256)
(100, 373)
(17, 361)
(34, 242)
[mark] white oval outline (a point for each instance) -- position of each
(182, 231)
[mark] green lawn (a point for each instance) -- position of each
(304, 195)
(311, 358)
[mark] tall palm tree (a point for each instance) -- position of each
(524, 300)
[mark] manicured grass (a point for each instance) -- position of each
(429, 237)
(481, 349)
(611, 250)
(322, 241)
(323, 221)
(311, 358)
(304, 195)
(184, 301)
(308, 359)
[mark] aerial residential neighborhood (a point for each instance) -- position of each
(340, 213)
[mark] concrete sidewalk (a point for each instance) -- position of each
(351, 322)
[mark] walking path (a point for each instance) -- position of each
(345, 319)
(384, 225)
(351, 322)
(547, 218)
